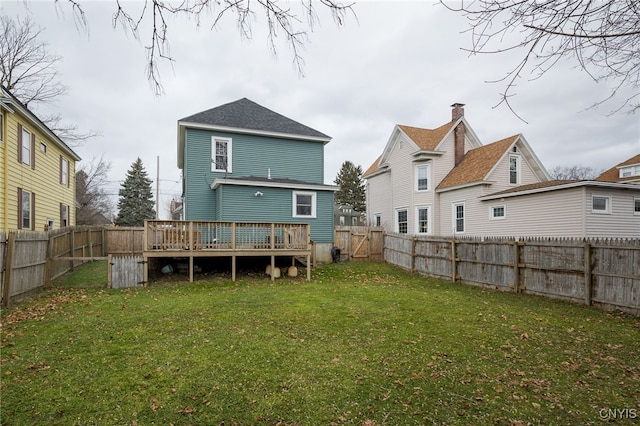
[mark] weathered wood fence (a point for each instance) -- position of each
(601, 272)
(30, 261)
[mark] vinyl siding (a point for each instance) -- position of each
(549, 214)
(276, 205)
(251, 156)
(621, 222)
(44, 180)
(500, 175)
(378, 195)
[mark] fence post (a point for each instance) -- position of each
(516, 266)
(453, 260)
(413, 253)
(72, 247)
(49, 264)
(587, 273)
(8, 258)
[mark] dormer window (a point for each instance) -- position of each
(629, 171)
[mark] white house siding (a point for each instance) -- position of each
(468, 196)
(378, 195)
(500, 175)
(550, 214)
(621, 222)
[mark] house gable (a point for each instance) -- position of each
(489, 164)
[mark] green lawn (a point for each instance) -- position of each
(361, 344)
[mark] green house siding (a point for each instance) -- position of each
(240, 204)
(255, 156)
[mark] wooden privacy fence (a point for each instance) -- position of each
(359, 243)
(602, 272)
(32, 260)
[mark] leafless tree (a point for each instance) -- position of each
(604, 37)
(574, 173)
(28, 70)
(93, 204)
(280, 18)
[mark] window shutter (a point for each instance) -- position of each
(33, 211)
(60, 168)
(19, 143)
(61, 217)
(33, 151)
(19, 207)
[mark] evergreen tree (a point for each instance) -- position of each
(136, 200)
(351, 185)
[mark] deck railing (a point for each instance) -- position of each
(180, 235)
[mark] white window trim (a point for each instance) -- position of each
(608, 206)
(518, 159)
(214, 165)
(636, 200)
(64, 172)
(418, 208)
(314, 197)
(454, 223)
(492, 212)
(396, 223)
(26, 159)
(418, 167)
(377, 219)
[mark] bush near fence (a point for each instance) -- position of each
(601, 272)
(32, 260)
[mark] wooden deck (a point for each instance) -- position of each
(191, 239)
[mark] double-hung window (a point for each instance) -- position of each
(514, 169)
(221, 154)
(423, 222)
(26, 142)
(458, 218)
(636, 206)
(422, 177)
(304, 204)
(26, 201)
(64, 171)
(402, 221)
(64, 215)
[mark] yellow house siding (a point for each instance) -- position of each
(43, 181)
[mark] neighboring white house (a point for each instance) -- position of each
(444, 182)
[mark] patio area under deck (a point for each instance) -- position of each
(192, 239)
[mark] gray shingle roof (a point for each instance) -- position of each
(246, 114)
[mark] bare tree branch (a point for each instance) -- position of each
(278, 14)
(28, 70)
(603, 36)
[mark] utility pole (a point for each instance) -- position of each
(158, 187)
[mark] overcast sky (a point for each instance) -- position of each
(397, 63)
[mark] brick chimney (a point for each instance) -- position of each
(456, 113)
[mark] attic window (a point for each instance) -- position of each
(514, 149)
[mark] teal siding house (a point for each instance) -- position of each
(242, 162)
